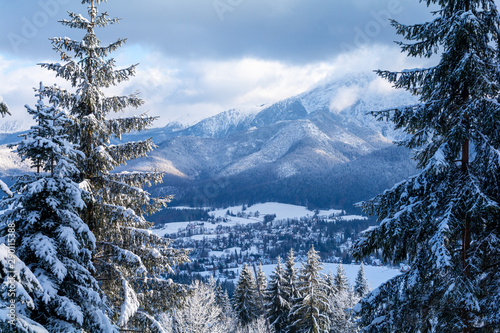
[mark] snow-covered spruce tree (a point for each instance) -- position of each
(311, 311)
(341, 302)
(200, 312)
(340, 281)
(361, 288)
(445, 220)
(129, 259)
(18, 285)
(261, 284)
(277, 305)
(330, 283)
(52, 243)
(290, 286)
(227, 312)
(245, 297)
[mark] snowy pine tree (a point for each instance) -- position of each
(227, 315)
(200, 313)
(444, 220)
(277, 305)
(53, 244)
(18, 285)
(245, 297)
(310, 312)
(361, 288)
(340, 280)
(341, 301)
(332, 299)
(261, 284)
(129, 259)
(290, 288)
(330, 283)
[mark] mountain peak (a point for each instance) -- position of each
(349, 97)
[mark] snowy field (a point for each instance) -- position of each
(282, 211)
(375, 275)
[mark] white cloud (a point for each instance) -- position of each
(344, 98)
(380, 87)
(192, 90)
(189, 90)
(17, 80)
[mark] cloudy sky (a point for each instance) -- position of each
(200, 57)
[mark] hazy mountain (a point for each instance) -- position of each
(318, 148)
(12, 126)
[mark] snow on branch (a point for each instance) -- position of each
(6, 189)
(130, 304)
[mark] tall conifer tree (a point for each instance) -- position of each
(222, 298)
(277, 305)
(445, 220)
(340, 280)
(341, 302)
(261, 284)
(290, 287)
(52, 240)
(129, 259)
(361, 287)
(310, 313)
(330, 283)
(246, 297)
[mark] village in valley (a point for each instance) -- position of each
(222, 240)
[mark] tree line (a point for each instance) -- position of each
(291, 300)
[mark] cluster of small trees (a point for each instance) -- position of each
(303, 300)
(291, 300)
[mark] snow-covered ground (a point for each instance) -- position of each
(282, 211)
(375, 275)
(353, 217)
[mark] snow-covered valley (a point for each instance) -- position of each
(209, 237)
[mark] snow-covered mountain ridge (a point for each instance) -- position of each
(320, 139)
(349, 98)
(13, 126)
(314, 134)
